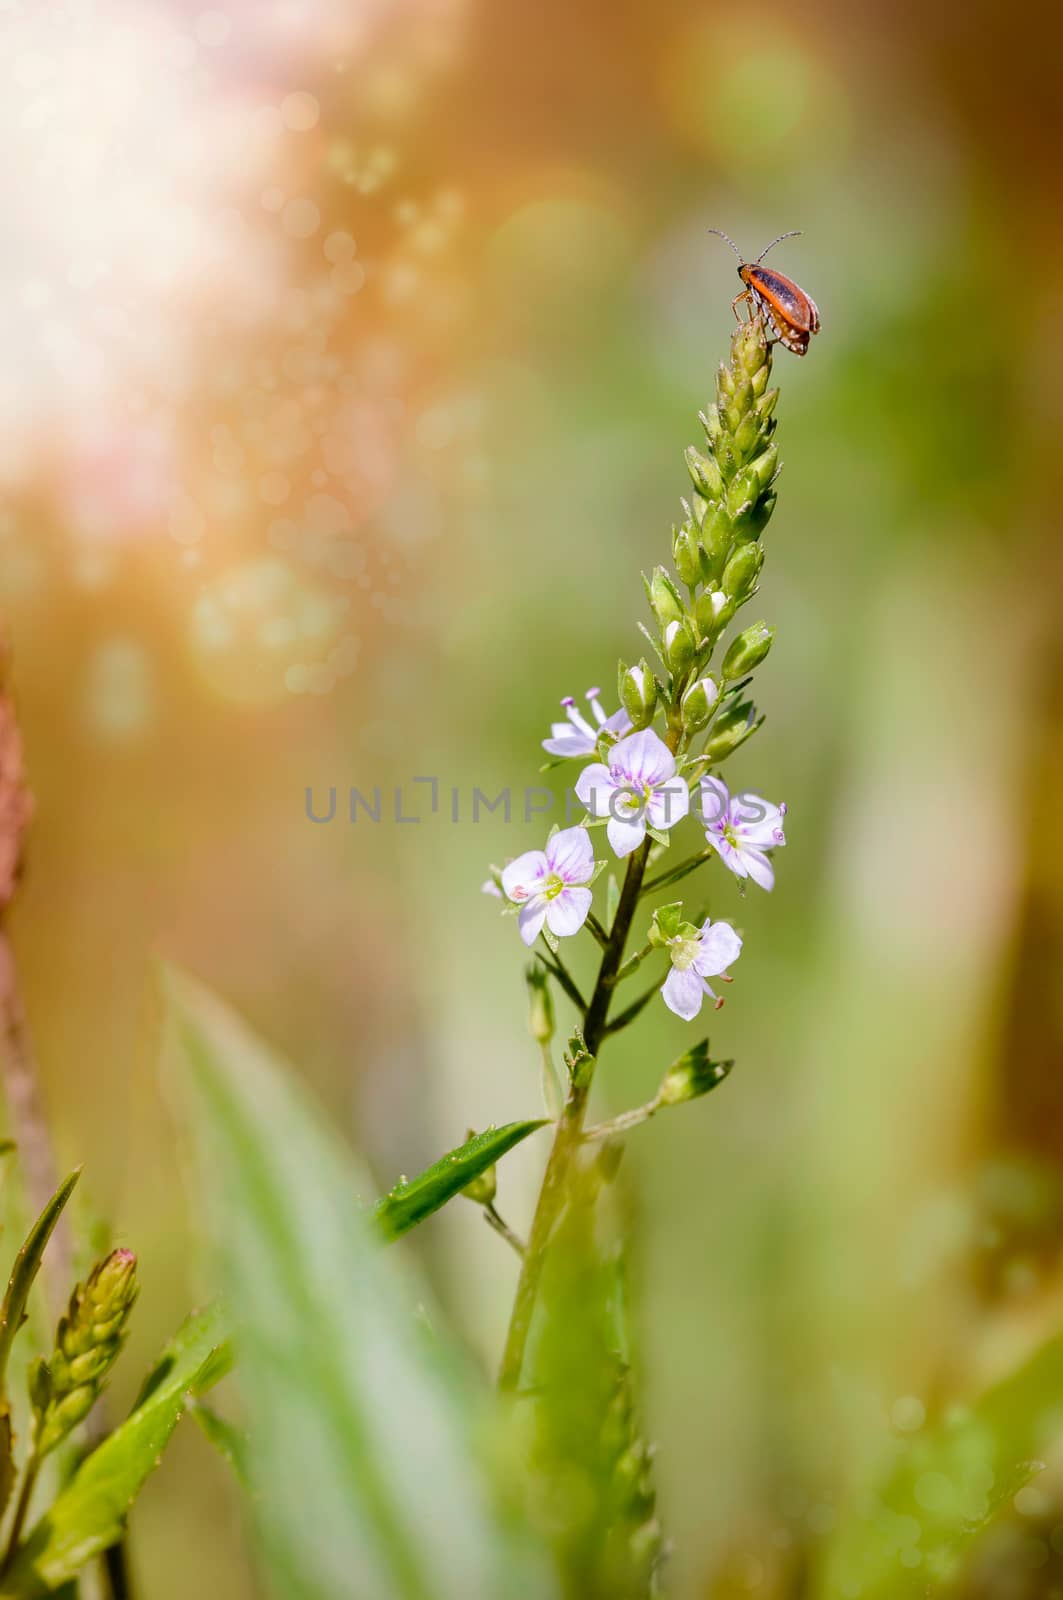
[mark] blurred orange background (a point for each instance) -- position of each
(350, 351)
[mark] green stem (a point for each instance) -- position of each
(569, 1132)
(502, 1228)
(626, 1120)
(675, 873)
(29, 1481)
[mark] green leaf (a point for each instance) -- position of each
(363, 1431)
(945, 1486)
(410, 1202)
(89, 1515)
(227, 1440)
(26, 1267)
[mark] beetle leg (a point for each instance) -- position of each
(746, 297)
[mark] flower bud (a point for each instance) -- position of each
(692, 1076)
(664, 598)
(731, 729)
(704, 474)
(638, 694)
(482, 1189)
(742, 571)
(540, 1004)
(748, 650)
(686, 553)
(697, 703)
(713, 611)
(679, 647)
(717, 533)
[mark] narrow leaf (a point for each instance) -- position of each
(363, 1431)
(26, 1267)
(227, 1440)
(410, 1202)
(90, 1513)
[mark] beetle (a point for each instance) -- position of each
(790, 314)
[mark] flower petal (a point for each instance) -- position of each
(626, 834)
(715, 800)
(593, 787)
(757, 821)
(566, 914)
(644, 758)
(522, 877)
(731, 858)
(566, 740)
(683, 993)
(718, 946)
(571, 855)
(668, 805)
(758, 867)
(531, 918)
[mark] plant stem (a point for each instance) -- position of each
(569, 1132)
(502, 1228)
(675, 873)
(29, 1481)
(623, 1122)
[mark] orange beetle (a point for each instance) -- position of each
(791, 315)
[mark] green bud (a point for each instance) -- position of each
(692, 1076)
(679, 647)
(87, 1342)
(731, 729)
(540, 1003)
(713, 611)
(742, 571)
(704, 474)
(697, 704)
(664, 598)
(483, 1188)
(748, 650)
(638, 694)
(666, 923)
(686, 553)
(717, 533)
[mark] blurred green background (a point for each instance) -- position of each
(350, 355)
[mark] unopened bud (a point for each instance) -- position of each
(540, 1004)
(638, 694)
(482, 1189)
(692, 1076)
(679, 647)
(697, 703)
(686, 552)
(748, 650)
(742, 571)
(704, 474)
(664, 598)
(713, 612)
(731, 729)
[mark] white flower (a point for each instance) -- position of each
(637, 790)
(578, 736)
(695, 959)
(741, 828)
(548, 885)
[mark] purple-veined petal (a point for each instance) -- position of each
(626, 833)
(531, 917)
(566, 914)
(731, 858)
(757, 821)
(718, 946)
(758, 867)
(593, 787)
(683, 993)
(644, 758)
(571, 855)
(668, 805)
(522, 877)
(618, 724)
(715, 800)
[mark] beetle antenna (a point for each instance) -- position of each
(730, 241)
(794, 233)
